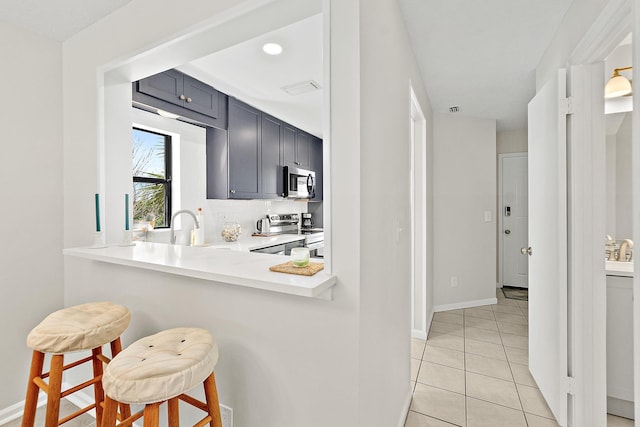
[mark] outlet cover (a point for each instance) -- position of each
(226, 414)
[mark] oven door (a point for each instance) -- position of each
(298, 183)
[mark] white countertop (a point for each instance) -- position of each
(219, 264)
(249, 243)
(619, 268)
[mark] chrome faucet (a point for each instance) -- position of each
(173, 217)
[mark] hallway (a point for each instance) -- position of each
(472, 371)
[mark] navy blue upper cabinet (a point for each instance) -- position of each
(166, 86)
(183, 95)
(200, 97)
(272, 130)
(243, 162)
(296, 147)
(244, 151)
(316, 166)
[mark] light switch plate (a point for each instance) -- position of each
(487, 216)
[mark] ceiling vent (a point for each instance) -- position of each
(302, 87)
(454, 109)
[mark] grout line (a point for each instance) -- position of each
(514, 381)
(436, 418)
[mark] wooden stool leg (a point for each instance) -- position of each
(116, 347)
(110, 413)
(151, 415)
(31, 401)
(211, 394)
(173, 411)
(55, 388)
(97, 387)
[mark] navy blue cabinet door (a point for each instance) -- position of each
(270, 160)
(296, 147)
(244, 151)
(289, 145)
(303, 149)
(316, 166)
(200, 97)
(167, 86)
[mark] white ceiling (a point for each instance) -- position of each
(249, 74)
(482, 55)
(478, 55)
(56, 19)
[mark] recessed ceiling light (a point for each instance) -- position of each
(272, 48)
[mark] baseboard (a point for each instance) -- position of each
(465, 304)
(405, 409)
(416, 333)
(79, 398)
(15, 411)
(620, 407)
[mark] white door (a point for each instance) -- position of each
(514, 224)
(548, 244)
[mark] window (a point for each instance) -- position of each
(151, 178)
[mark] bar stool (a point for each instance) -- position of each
(81, 327)
(159, 368)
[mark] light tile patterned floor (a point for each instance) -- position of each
(473, 371)
(66, 408)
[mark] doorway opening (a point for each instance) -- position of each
(513, 220)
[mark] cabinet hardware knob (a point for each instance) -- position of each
(182, 97)
(526, 251)
(189, 99)
(507, 231)
(232, 191)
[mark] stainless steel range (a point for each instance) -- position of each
(289, 224)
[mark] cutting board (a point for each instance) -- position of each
(288, 267)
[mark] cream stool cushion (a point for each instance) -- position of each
(161, 366)
(81, 327)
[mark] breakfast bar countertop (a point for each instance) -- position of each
(215, 264)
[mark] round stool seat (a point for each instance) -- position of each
(161, 366)
(81, 327)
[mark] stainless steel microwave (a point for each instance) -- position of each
(298, 183)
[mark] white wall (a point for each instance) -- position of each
(610, 226)
(624, 228)
(31, 214)
(464, 189)
(387, 67)
(512, 141)
(577, 20)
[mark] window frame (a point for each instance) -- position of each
(167, 181)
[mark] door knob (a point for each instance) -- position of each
(507, 231)
(526, 251)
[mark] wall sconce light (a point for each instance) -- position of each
(618, 85)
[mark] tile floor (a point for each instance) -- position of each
(472, 371)
(66, 408)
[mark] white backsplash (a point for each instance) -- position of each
(216, 212)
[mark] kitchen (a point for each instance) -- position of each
(248, 185)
